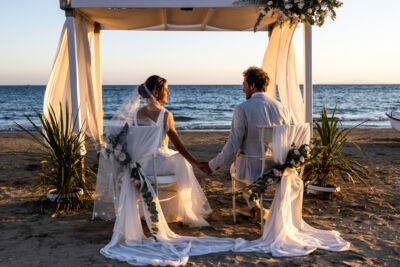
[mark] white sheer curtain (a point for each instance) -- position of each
(58, 87)
(280, 63)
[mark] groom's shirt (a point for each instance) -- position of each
(260, 109)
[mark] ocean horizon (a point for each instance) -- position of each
(210, 107)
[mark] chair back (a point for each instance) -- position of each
(278, 139)
(265, 136)
(142, 141)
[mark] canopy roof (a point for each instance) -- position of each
(176, 15)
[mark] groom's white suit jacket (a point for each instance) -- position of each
(260, 109)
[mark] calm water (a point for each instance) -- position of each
(204, 107)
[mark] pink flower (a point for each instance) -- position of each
(277, 172)
(293, 162)
(118, 147)
(137, 182)
(302, 159)
(296, 152)
(122, 157)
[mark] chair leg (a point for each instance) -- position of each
(234, 199)
(261, 214)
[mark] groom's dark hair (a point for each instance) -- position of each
(257, 77)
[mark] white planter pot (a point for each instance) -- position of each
(52, 196)
(313, 189)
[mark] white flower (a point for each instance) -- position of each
(300, 5)
(302, 159)
(270, 3)
(302, 16)
(137, 182)
(270, 180)
(296, 1)
(118, 147)
(277, 172)
(296, 152)
(307, 148)
(263, 12)
(288, 6)
(309, 11)
(122, 157)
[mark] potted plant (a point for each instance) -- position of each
(327, 164)
(62, 167)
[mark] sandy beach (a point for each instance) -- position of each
(367, 216)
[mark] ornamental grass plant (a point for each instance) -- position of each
(328, 165)
(62, 167)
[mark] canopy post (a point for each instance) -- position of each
(308, 86)
(97, 69)
(73, 68)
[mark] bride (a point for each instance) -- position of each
(190, 204)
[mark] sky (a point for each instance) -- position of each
(361, 46)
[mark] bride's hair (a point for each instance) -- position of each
(152, 83)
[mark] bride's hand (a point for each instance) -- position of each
(203, 166)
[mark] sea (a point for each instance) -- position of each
(210, 107)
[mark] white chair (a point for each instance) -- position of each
(265, 137)
(265, 134)
(164, 183)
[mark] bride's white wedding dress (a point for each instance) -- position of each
(190, 205)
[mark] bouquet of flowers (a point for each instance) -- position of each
(296, 158)
(311, 11)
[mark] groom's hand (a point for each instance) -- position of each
(203, 166)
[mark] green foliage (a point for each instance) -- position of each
(63, 165)
(147, 196)
(295, 159)
(327, 163)
(312, 11)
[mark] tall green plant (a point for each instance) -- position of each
(327, 162)
(63, 163)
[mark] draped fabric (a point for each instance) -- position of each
(280, 64)
(109, 179)
(285, 233)
(58, 89)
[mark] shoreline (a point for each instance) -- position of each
(228, 129)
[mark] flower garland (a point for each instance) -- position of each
(115, 148)
(312, 11)
(296, 158)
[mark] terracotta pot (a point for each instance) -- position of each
(52, 194)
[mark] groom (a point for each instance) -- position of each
(258, 109)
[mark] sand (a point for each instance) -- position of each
(367, 216)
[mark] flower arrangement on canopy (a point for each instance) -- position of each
(311, 11)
